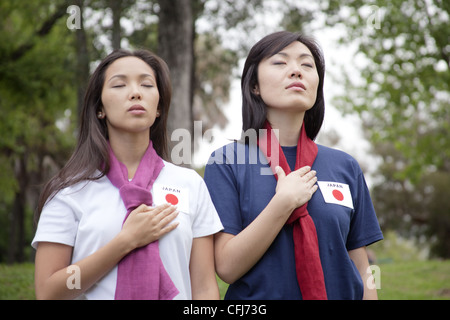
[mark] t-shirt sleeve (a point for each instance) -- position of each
(58, 222)
(206, 221)
(222, 186)
(364, 226)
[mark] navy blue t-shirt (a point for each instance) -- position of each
(240, 187)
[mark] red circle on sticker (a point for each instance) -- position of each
(171, 198)
(338, 195)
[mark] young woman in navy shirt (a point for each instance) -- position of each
(282, 89)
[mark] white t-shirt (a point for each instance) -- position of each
(88, 215)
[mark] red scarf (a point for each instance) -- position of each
(307, 260)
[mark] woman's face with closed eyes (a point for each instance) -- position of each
(130, 96)
(288, 80)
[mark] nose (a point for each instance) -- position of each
(135, 93)
(296, 72)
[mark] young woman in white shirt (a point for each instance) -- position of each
(80, 231)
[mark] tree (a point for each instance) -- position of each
(201, 80)
(403, 93)
(176, 47)
(414, 211)
(403, 98)
(36, 77)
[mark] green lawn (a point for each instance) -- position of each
(419, 280)
(17, 282)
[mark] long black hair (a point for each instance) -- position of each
(91, 152)
(254, 110)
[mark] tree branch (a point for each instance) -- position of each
(42, 32)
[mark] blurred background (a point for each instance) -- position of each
(387, 103)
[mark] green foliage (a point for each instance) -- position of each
(403, 99)
(403, 93)
(36, 91)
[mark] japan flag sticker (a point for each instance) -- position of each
(336, 192)
(171, 194)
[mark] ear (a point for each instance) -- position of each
(255, 90)
(101, 113)
(158, 113)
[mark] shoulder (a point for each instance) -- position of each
(77, 193)
(335, 157)
(96, 180)
(235, 152)
(327, 151)
(180, 171)
(174, 174)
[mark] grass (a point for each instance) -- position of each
(416, 280)
(412, 280)
(17, 282)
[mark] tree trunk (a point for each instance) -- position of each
(17, 216)
(116, 7)
(82, 70)
(175, 46)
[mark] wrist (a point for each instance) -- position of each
(124, 243)
(284, 204)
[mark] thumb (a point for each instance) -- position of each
(141, 208)
(280, 172)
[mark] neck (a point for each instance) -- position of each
(129, 149)
(289, 126)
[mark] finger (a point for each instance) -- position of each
(141, 209)
(168, 218)
(159, 209)
(309, 176)
(303, 170)
(312, 182)
(168, 212)
(280, 172)
(168, 228)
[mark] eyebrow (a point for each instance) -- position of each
(303, 55)
(123, 76)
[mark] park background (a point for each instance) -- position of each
(386, 89)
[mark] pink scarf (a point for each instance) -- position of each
(141, 274)
(307, 260)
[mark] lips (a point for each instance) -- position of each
(136, 107)
(296, 85)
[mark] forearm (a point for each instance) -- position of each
(143, 226)
(209, 292)
(241, 252)
(202, 271)
(360, 258)
(68, 283)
